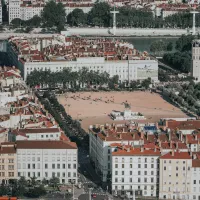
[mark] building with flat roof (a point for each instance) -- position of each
(102, 55)
(47, 159)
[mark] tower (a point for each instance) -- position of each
(114, 12)
(193, 26)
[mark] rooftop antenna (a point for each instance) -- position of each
(114, 12)
(193, 26)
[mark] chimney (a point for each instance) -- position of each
(122, 147)
(142, 149)
(170, 137)
(186, 139)
(177, 145)
(155, 149)
(128, 149)
(172, 152)
(181, 138)
(133, 135)
(120, 136)
(196, 138)
(170, 144)
(194, 156)
(190, 153)
(123, 130)
(142, 135)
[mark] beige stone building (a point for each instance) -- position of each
(175, 175)
(8, 162)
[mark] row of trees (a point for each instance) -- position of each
(181, 59)
(53, 15)
(187, 95)
(159, 46)
(84, 78)
(28, 188)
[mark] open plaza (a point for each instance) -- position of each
(95, 107)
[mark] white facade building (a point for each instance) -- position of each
(38, 134)
(102, 144)
(135, 170)
(195, 178)
(14, 10)
(28, 12)
(126, 69)
(47, 159)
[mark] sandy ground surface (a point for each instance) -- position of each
(85, 106)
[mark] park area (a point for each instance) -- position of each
(94, 107)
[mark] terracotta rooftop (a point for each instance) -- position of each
(45, 144)
(177, 155)
(127, 150)
(195, 163)
(37, 130)
(7, 148)
(183, 125)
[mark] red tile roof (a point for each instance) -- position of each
(135, 152)
(195, 163)
(183, 125)
(45, 144)
(177, 155)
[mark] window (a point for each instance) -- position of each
(164, 168)
(69, 166)
(122, 165)
(152, 180)
(116, 159)
(130, 180)
(145, 172)
(116, 180)
(108, 157)
(122, 172)
(33, 166)
(139, 172)
(63, 166)
(74, 174)
(145, 180)
(138, 180)
(116, 172)
(145, 160)
(69, 174)
(131, 166)
(46, 166)
(176, 174)
(122, 180)
(116, 165)
(58, 166)
(194, 181)
(176, 168)
(53, 166)
(152, 166)
(38, 174)
(145, 165)
(139, 165)
(108, 151)
(29, 166)
(74, 166)
(130, 172)
(152, 172)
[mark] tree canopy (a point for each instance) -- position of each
(53, 15)
(77, 17)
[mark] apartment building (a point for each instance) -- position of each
(14, 10)
(115, 58)
(47, 159)
(135, 170)
(8, 162)
(195, 178)
(175, 175)
(102, 138)
(38, 134)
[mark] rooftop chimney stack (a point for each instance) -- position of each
(142, 149)
(172, 152)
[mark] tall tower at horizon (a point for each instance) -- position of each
(194, 22)
(114, 12)
(196, 60)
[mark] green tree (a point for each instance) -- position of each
(170, 46)
(54, 15)
(184, 43)
(54, 182)
(145, 83)
(77, 17)
(17, 22)
(100, 14)
(35, 21)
